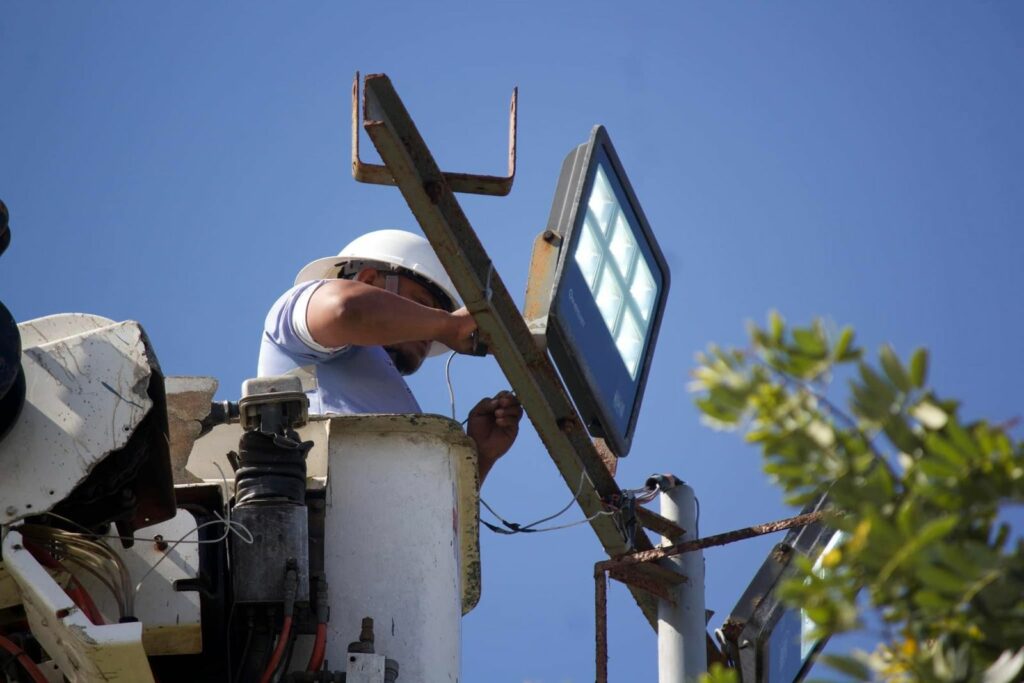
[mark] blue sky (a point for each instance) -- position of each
(859, 161)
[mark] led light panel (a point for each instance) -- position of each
(608, 294)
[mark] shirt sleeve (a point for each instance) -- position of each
(286, 326)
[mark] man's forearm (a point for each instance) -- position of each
(344, 312)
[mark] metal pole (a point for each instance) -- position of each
(682, 650)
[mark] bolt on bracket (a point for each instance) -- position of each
(468, 183)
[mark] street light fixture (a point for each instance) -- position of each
(598, 289)
(769, 641)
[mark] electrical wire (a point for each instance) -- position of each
(696, 522)
(230, 527)
(108, 567)
(26, 662)
(150, 539)
(448, 379)
(245, 650)
(513, 527)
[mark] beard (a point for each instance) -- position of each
(405, 362)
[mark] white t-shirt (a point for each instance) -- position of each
(346, 380)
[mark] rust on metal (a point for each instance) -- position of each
(470, 183)
(541, 278)
(781, 553)
(611, 461)
(528, 369)
(631, 577)
(601, 625)
(644, 556)
(658, 524)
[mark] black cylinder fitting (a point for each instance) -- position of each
(271, 467)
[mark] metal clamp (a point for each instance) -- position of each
(469, 183)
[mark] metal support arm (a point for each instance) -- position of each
(529, 370)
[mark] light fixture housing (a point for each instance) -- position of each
(769, 640)
(601, 308)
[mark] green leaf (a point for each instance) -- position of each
(919, 367)
(867, 404)
(930, 532)
(962, 440)
(941, 580)
(876, 385)
(849, 666)
(893, 369)
(842, 346)
(719, 674)
(938, 447)
(932, 600)
(718, 412)
(900, 434)
(809, 342)
(777, 326)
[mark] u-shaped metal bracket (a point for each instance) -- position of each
(470, 183)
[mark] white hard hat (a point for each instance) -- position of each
(393, 250)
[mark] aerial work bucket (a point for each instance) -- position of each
(401, 541)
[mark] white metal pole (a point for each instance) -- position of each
(682, 650)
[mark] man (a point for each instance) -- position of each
(353, 325)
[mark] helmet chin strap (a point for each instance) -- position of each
(391, 283)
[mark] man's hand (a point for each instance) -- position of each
(493, 425)
(458, 332)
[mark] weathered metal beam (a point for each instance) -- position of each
(600, 627)
(644, 582)
(649, 519)
(528, 369)
(645, 556)
(470, 183)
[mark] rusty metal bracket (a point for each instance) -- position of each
(642, 571)
(645, 582)
(470, 183)
(654, 522)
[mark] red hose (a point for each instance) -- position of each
(316, 659)
(81, 597)
(282, 643)
(26, 663)
(76, 591)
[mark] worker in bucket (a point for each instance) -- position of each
(353, 325)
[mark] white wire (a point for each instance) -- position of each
(230, 527)
(531, 526)
(599, 513)
(448, 379)
(90, 534)
(579, 490)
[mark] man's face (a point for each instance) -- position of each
(408, 356)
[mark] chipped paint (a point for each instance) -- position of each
(86, 395)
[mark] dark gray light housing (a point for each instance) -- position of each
(610, 288)
(768, 641)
